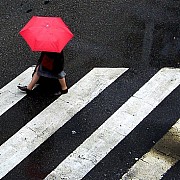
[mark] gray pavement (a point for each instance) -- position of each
(107, 33)
(141, 35)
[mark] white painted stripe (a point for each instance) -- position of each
(10, 95)
(164, 154)
(119, 125)
(27, 139)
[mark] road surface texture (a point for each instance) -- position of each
(121, 117)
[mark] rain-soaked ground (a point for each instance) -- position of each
(139, 34)
(107, 33)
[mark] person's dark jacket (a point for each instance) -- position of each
(55, 60)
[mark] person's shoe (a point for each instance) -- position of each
(24, 89)
(64, 91)
(61, 92)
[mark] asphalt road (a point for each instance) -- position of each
(141, 35)
(107, 33)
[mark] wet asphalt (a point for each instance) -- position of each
(107, 33)
(141, 35)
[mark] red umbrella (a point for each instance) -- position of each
(46, 34)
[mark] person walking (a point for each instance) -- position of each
(50, 65)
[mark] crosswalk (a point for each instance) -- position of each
(85, 157)
(156, 162)
(9, 94)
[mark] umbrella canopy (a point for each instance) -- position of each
(46, 34)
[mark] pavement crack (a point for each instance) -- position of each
(142, 100)
(34, 132)
(91, 160)
(144, 161)
(31, 129)
(161, 152)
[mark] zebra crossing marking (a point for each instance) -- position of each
(112, 131)
(9, 94)
(159, 159)
(34, 133)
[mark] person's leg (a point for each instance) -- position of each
(34, 80)
(64, 88)
(62, 82)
